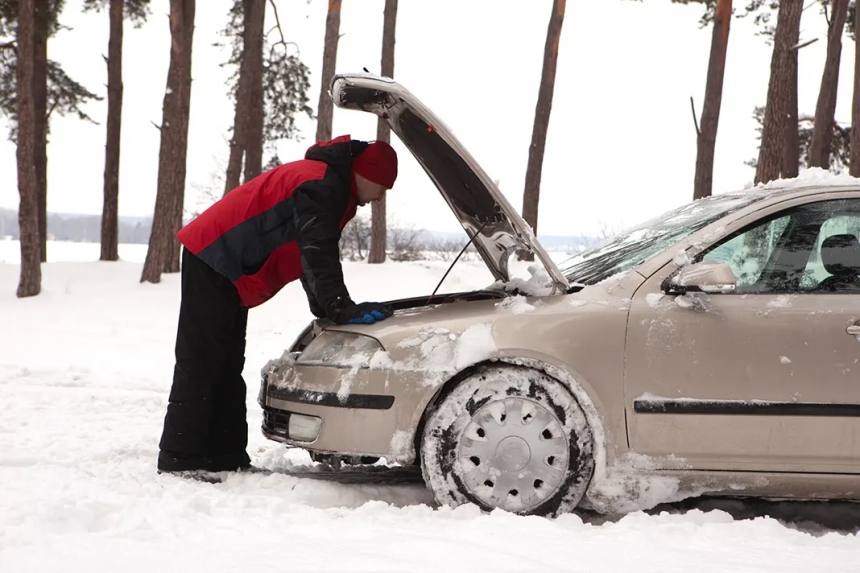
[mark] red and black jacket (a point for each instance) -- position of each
(282, 226)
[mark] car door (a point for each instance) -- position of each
(766, 378)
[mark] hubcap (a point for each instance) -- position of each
(514, 454)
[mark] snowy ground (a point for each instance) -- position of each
(85, 370)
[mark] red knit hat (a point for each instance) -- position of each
(377, 163)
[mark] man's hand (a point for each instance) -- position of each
(344, 311)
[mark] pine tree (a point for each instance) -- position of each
(778, 118)
(31, 273)
(543, 108)
(163, 253)
(325, 107)
(825, 110)
(137, 11)
(378, 224)
(854, 23)
(269, 92)
(707, 136)
(52, 91)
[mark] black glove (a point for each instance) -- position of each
(345, 311)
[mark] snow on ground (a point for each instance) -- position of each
(85, 370)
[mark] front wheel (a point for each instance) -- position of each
(510, 438)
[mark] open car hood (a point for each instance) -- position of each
(481, 208)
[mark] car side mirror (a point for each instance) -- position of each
(707, 276)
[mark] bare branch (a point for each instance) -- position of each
(158, 127)
(50, 111)
(802, 45)
(278, 21)
(9, 44)
(283, 41)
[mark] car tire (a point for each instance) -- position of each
(508, 437)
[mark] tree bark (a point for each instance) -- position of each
(534, 169)
(28, 220)
(825, 110)
(854, 168)
(40, 118)
(110, 208)
(707, 139)
(237, 142)
(163, 253)
(774, 140)
(378, 225)
(791, 150)
(253, 54)
(332, 36)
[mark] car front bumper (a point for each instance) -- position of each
(362, 411)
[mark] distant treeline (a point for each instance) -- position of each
(80, 228)
(87, 229)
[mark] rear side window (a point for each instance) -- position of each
(837, 230)
(811, 248)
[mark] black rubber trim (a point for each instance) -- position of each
(356, 401)
(746, 408)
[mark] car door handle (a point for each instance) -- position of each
(855, 330)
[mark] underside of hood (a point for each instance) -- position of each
(497, 229)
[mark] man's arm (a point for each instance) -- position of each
(317, 310)
(319, 208)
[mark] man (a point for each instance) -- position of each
(281, 226)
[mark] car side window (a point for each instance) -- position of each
(748, 253)
(811, 248)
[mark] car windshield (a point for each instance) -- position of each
(635, 246)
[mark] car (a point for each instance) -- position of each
(712, 350)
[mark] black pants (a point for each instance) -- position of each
(206, 426)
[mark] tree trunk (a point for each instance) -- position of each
(378, 225)
(240, 128)
(854, 168)
(28, 219)
(110, 208)
(332, 36)
(774, 140)
(534, 169)
(40, 117)
(163, 253)
(707, 139)
(791, 150)
(253, 40)
(825, 110)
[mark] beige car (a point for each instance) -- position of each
(715, 349)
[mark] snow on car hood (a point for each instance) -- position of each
(485, 214)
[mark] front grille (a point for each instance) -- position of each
(276, 422)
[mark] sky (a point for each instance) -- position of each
(621, 146)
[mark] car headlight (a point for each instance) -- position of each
(340, 349)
